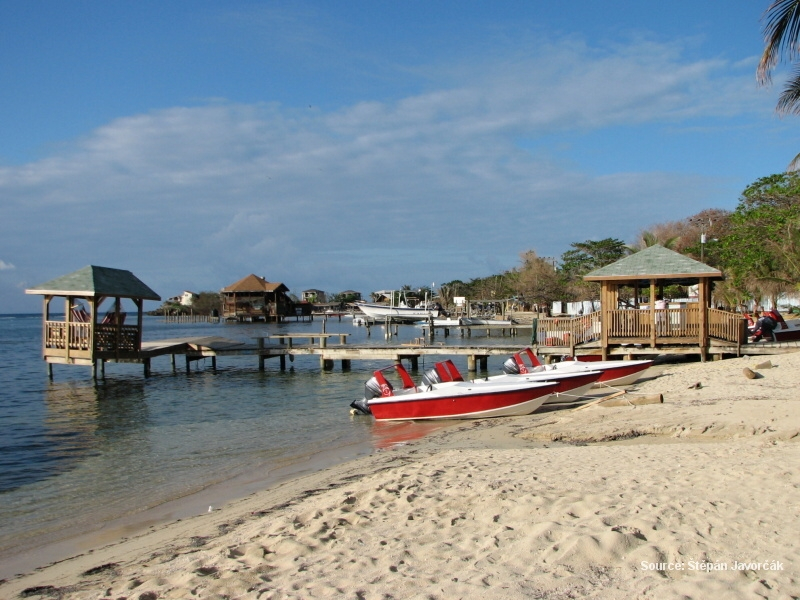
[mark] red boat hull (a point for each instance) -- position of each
(472, 406)
(621, 372)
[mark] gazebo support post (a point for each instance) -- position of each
(652, 305)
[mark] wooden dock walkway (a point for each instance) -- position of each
(198, 348)
(213, 347)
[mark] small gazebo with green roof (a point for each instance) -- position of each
(623, 329)
(83, 337)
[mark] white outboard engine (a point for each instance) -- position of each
(372, 389)
(430, 378)
(510, 367)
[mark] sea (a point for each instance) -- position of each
(84, 461)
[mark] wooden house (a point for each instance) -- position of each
(692, 327)
(86, 334)
(253, 298)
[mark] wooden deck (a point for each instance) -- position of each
(198, 348)
(633, 332)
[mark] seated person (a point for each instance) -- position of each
(764, 327)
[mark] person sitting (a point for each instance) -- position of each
(764, 327)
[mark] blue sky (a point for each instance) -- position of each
(365, 145)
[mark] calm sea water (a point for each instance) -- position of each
(76, 455)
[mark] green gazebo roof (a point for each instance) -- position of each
(96, 281)
(654, 262)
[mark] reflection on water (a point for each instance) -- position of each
(388, 434)
(75, 454)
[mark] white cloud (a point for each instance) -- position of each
(432, 187)
(4, 266)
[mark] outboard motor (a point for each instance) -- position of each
(360, 407)
(430, 378)
(372, 389)
(510, 367)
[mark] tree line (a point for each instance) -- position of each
(756, 246)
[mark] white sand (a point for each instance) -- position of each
(627, 502)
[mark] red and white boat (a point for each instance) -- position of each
(614, 372)
(455, 400)
(571, 385)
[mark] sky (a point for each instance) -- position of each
(365, 145)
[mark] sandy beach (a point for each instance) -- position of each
(695, 497)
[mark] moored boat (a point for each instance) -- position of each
(614, 372)
(571, 385)
(457, 400)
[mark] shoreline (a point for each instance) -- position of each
(558, 503)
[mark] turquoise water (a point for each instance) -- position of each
(76, 455)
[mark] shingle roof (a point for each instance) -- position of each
(96, 281)
(254, 283)
(654, 262)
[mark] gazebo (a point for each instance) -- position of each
(692, 326)
(83, 337)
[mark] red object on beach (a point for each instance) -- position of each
(569, 384)
(451, 400)
(614, 372)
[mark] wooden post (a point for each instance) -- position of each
(703, 301)
(652, 313)
(471, 363)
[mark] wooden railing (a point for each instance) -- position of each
(113, 338)
(108, 338)
(730, 327)
(669, 323)
(674, 325)
(568, 331)
(55, 336)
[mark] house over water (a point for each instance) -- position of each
(253, 298)
(83, 336)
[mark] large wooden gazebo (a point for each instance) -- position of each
(631, 327)
(83, 336)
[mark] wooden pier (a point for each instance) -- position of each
(317, 344)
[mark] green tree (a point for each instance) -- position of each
(781, 38)
(757, 253)
(206, 303)
(585, 257)
(590, 255)
(537, 280)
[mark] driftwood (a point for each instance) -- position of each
(635, 400)
(622, 398)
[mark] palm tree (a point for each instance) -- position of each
(782, 37)
(648, 238)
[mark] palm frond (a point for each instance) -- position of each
(789, 100)
(781, 36)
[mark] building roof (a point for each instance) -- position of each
(93, 281)
(254, 284)
(654, 262)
